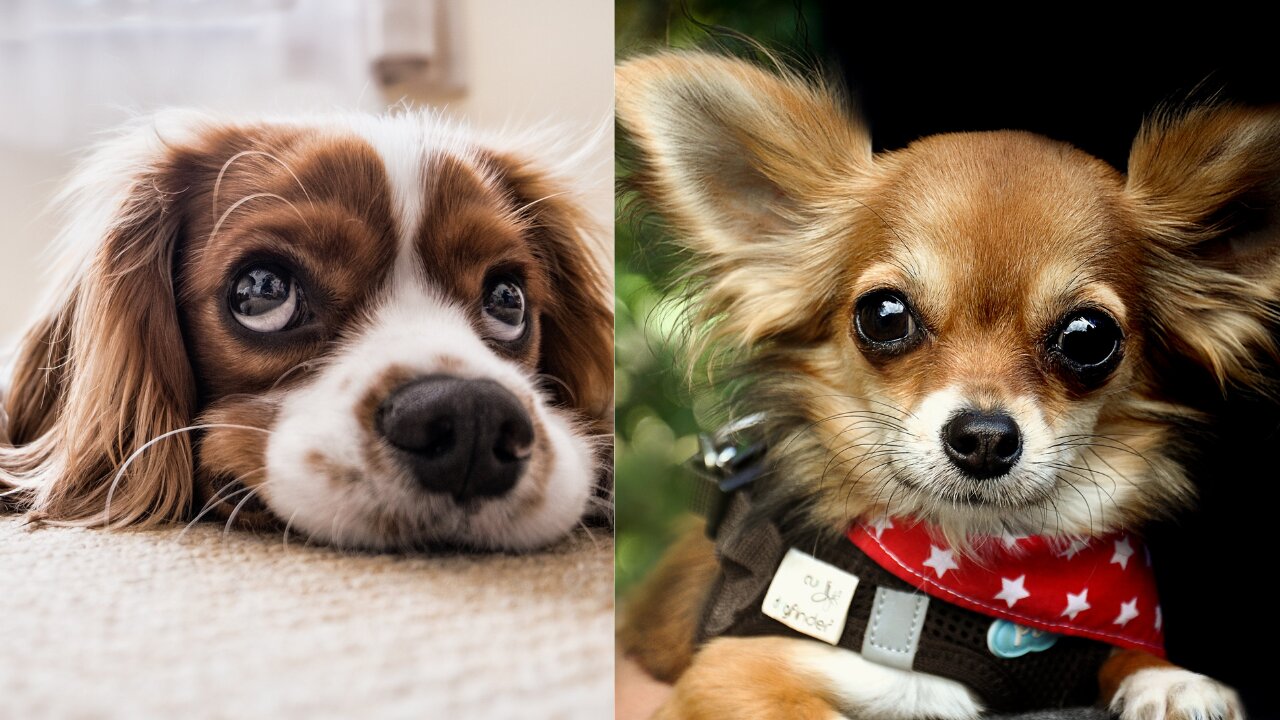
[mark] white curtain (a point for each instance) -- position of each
(69, 67)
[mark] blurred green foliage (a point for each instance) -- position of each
(656, 426)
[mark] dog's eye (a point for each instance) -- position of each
(265, 300)
(883, 317)
(504, 312)
(1089, 341)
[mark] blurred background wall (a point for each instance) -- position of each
(72, 68)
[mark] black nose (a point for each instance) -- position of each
(468, 438)
(983, 445)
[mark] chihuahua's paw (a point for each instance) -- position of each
(1175, 694)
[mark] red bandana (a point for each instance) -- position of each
(1100, 588)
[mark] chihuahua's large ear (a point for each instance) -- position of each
(752, 169)
(1206, 184)
(105, 372)
(733, 152)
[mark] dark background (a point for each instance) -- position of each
(1091, 95)
(1085, 81)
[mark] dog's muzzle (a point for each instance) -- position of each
(467, 438)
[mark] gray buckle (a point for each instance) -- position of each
(727, 461)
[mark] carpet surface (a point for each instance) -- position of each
(148, 624)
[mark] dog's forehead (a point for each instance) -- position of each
(1007, 196)
(454, 217)
(434, 201)
(999, 221)
(365, 212)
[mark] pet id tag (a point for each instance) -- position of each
(810, 596)
(1010, 640)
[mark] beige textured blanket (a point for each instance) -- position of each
(144, 624)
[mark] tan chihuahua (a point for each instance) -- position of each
(973, 333)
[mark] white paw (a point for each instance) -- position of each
(1175, 694)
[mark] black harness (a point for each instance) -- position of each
(952, 640)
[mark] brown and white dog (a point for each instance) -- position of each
(382, 332)
(873, 305)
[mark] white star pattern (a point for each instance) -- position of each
(881, 525)
(1128, 611)
(1077, 603)
(1097, 587)
(940, 560)
(1011, 591)
(1123, 552)
(1074, 548)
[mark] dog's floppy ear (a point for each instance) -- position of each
(105, 372)
(758, 173)
(576, 353)
(732, 152)
(577, 321)
(1206, 184)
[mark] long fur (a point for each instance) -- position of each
(106, 370)
(1205, 180)
(769, 186)
(123, 408)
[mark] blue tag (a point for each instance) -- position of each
(1010, 640)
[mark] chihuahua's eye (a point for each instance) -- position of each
(883, 317)
(266, 299)
(1089, 341)
(504, 311)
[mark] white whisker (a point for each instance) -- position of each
(595, 544)
(287, 525)
(232, 518)
(218, 225)
(520, 210)
(217, 185)
(216, 500)
(111, 491)
(283, 376)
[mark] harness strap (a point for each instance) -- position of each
(949, 641)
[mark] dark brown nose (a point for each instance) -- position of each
(983, 445)
(467, 438)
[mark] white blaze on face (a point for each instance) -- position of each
(324, 479)
(1033, 474)
(927, 423)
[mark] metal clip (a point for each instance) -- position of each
(727, 461)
